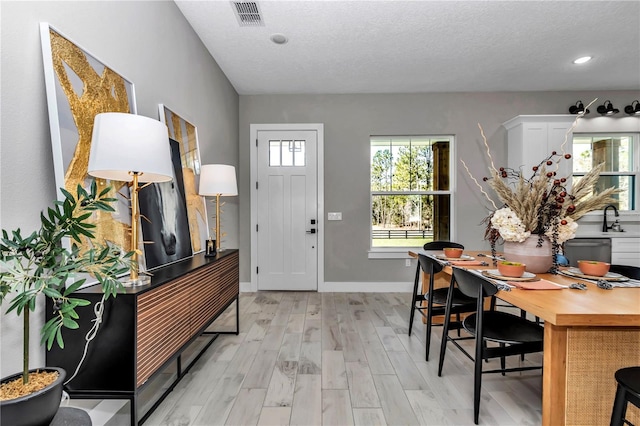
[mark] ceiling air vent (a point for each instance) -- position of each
(248, 13)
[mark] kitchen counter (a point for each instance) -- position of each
(609, 234)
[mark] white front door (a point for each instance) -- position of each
(287, 210)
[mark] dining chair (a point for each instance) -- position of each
(512, 334)
(628, 390)
(418, 295)
(435, 299)
(440, 245)
(632, 272)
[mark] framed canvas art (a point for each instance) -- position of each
(79, 86)
(165, 227)
(186, 134)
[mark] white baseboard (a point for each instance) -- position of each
(246, 287)
(365, 287)
(349, 287)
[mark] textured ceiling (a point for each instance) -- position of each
(424, 46)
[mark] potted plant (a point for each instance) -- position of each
(538, 211)
(42, 263)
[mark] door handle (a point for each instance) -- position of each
(312, 231)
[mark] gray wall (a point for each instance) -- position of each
(349, 120)
(152, 45)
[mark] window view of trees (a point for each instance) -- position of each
(402, 190)
(616, 151)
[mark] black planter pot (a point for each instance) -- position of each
(36, 409)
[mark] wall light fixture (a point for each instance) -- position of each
(578, 108)
(631, 110)
(607, 109)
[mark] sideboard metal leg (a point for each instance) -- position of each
(237, 315)
(134, 411)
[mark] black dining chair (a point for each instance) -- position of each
(440, 245)
(418, 295)
(435, 299)
(512, 334)
(632, 272)
(628, 390)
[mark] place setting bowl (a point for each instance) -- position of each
(510, 271)
(593, 270)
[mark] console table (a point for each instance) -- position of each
(146, 329)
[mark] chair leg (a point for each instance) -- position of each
(413, 298)
(477, 374)
(413, 312)
(427, 338)
(458, 320)
(503, 361)
(619, 408)
(429, 326)
(523, 315)
(445, 338)
(477, 380)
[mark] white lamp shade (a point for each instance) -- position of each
(124, 143)
(218, 179)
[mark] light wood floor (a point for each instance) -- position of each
(340, 359)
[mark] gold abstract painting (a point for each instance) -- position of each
(187, 135)
(79, 87)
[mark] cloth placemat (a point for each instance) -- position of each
(537, 285)
(628, 284)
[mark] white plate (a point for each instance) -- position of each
(496, 274)
(463, 257)
(609, 276)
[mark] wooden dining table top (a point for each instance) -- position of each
(618, 307)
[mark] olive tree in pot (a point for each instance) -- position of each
(46, 263)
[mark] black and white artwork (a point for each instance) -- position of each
(166, 227)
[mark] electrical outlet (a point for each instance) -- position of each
(335, 216)
(407, 262)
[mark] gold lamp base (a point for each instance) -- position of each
(135, 279)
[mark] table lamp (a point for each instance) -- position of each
(217, 180)
(133, 149)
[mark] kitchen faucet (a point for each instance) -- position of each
(605, 227)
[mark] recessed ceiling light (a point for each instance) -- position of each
(582, 60)
(279, 38)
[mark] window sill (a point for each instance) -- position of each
(391, 253)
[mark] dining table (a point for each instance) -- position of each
(588, 335)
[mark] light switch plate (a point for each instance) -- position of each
(335, 216)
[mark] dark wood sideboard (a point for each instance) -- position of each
(146, 329)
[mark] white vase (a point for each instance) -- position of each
(538, 260)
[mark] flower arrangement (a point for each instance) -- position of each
(541, 203)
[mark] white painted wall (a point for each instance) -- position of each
(349, 120)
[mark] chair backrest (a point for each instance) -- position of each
(472, 285)
(439, 245)
(429, 265)
(628, 271)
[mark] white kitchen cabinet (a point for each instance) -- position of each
(625, 251)
(532, 138)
